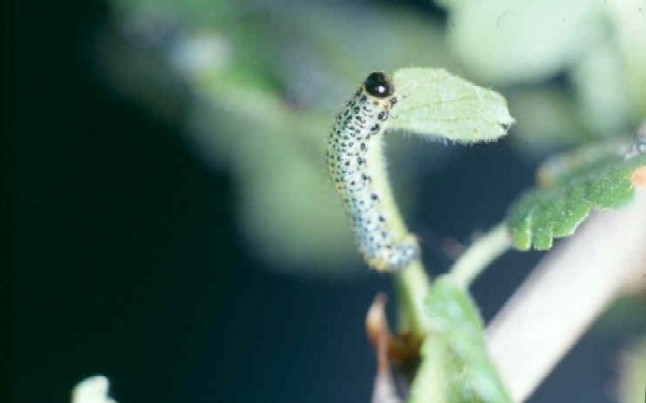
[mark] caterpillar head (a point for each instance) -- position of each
(379, 85)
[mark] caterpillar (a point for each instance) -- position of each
(355, 162)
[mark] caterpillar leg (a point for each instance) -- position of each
(397, 256)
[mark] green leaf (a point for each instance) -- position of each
(434, 102)
(588, 179)
(455, 366)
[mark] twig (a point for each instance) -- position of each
(563, 296)
(478, 256)
(412, 287)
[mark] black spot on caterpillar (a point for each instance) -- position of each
(360, 176)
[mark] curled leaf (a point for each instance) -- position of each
(433, 102)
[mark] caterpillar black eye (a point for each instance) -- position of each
(378, 85)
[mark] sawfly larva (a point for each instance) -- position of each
(355, 161)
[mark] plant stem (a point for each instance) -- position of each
(411, 282)
(479, 255)
(412, 285)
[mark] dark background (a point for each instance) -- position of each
(124, 260)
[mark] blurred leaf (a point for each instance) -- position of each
(319, 64)
(601, 180)
(288, 208)
(292, 44)
(511, 41)
(632, 373)
(546, 120)
(141, 73)
(195, 13)
(434, 102)
(292, 215)
(455, 366)
(602, 91)
(629, 18)
(626, 313)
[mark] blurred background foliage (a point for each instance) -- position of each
(132, 258)
(257, 83)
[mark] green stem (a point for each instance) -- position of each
(411, 282)
(412, 285)
(479, 255)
